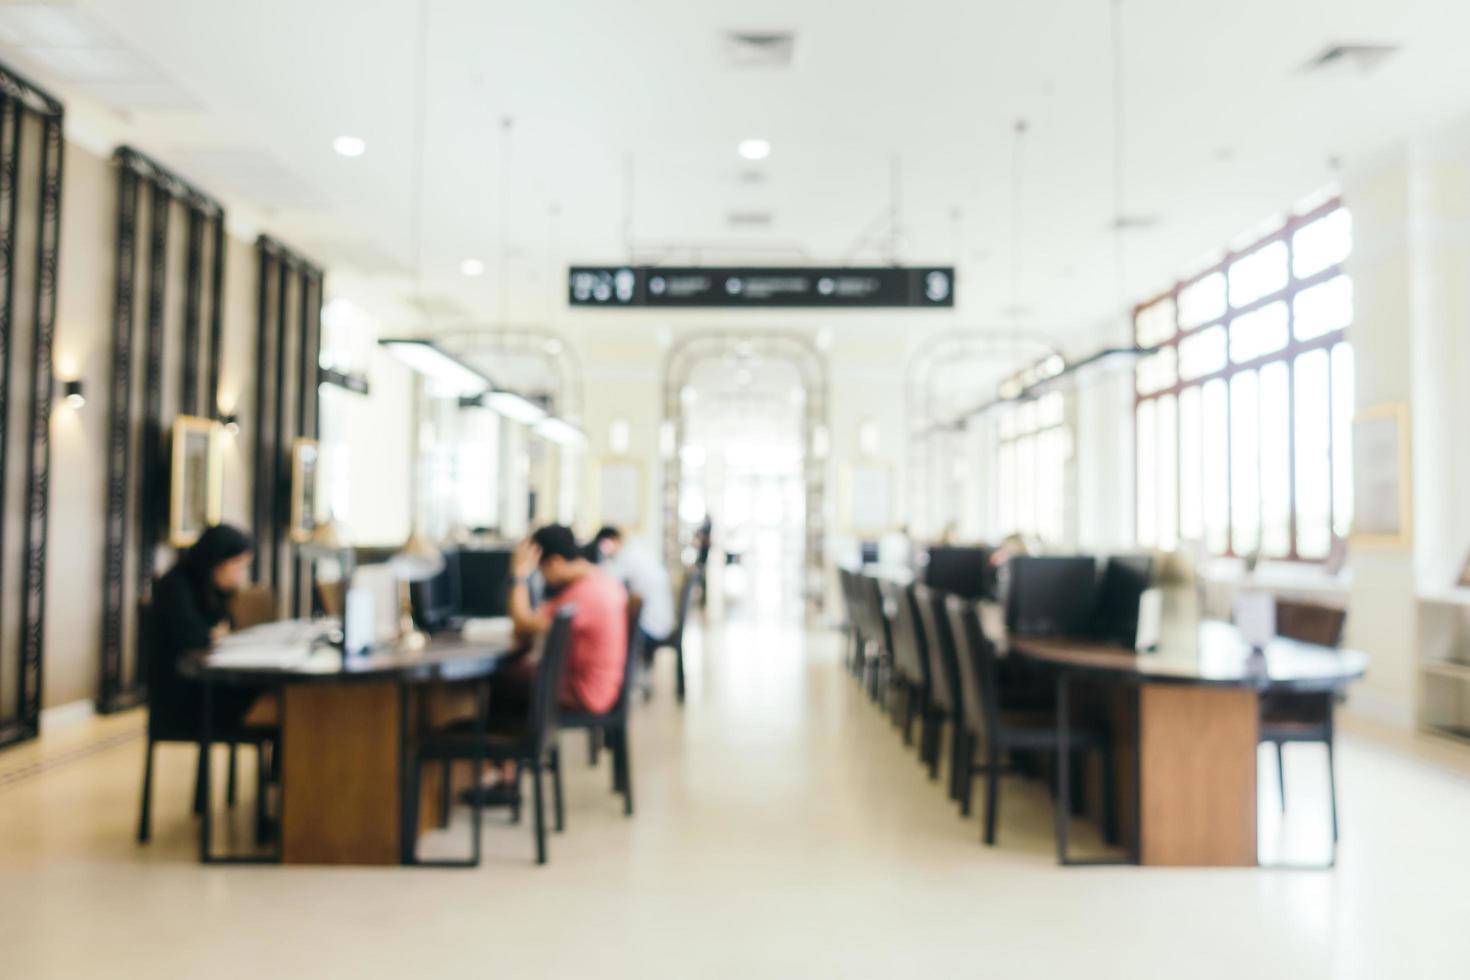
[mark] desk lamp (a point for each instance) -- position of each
(417, 561)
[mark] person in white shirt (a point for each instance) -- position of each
(638, 568)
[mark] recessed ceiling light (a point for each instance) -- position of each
(472, 267)
(350, 146)
(755, 149)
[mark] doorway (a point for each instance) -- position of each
(747, 416)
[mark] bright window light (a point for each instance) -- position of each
(350, 146)
(472, 267)
(755, 149)
(447, 376)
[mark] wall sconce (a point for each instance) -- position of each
(231, 424)
(72, 392)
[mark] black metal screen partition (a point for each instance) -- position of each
(166, 345)
(287, 373)
(30, 225)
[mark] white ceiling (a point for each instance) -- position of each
(1222, 129)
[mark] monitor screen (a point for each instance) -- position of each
(437, 601)
(962, 571)
(484, 577)
(1051, 596)
(1125, 579)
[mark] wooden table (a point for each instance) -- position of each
(1185, 721)
(344, 727)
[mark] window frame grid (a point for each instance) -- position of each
(1287, 354)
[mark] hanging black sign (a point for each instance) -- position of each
(821, 287)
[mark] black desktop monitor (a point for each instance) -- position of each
(437, 601)
(1051, 596)
(869, 552)
(1125, 579)
(484, 577)
(964, 572)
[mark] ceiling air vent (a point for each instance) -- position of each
(759, 49)
(750, 219)
(1361, 58)
(1134, 222)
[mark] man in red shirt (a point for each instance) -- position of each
(593, 675)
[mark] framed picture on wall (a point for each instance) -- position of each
(867, 499)
(620, 492)
(306, 456)
(196, 480)
(1383, 492)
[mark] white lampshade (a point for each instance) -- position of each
(418, 560)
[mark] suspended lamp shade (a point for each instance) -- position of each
(418, 560)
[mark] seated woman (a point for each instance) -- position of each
(190, 613)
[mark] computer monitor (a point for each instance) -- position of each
(1051, 596)
(484, 578)
(1125, 579)
(437, 602)
(869, 552)
(965, 572)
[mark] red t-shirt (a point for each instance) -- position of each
(593, 674)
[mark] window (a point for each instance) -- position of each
(1031, 468)
(1244, 411)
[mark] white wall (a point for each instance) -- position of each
(369, 448)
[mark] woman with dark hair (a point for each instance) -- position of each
(191, 610)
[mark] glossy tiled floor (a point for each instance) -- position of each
(782, 831)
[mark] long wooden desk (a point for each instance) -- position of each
(343, 731)
(1185, 721)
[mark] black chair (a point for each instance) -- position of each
(611, 726)
(1001, 732)
(529, 741)
(944, 683)
(878, 634)
(693, 579)
(911, 662)
(1306, 716)
(852, 656)
(174, 718)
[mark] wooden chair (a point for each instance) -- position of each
(983, 721)
(1304, 717)
(532, 743)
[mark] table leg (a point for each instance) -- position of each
(206, 747)
(1063, 767)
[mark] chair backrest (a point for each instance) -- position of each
(547, 687)
(692, 575)
(252, 606)
(975, 658)
(944, 679)
(908, 642)
(1309, 622)
(330, 596)
(173, 716)
(635, 651)
(878, 629)
(849, 603)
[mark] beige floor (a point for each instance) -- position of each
(782, 831)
